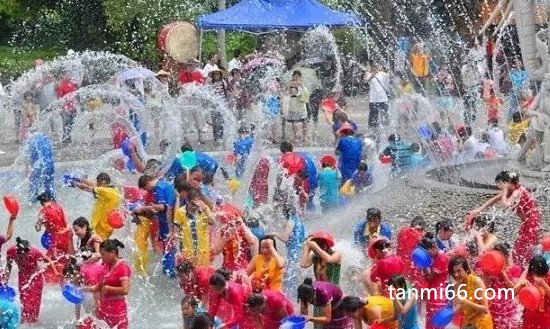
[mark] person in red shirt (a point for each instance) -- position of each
(407, 240)
(292, 162)
(259, 189)
(385, 265)
(234, 293)
(190, 74)
(435, 276)
(269, 308)
(53, 218)
(113, 286)
(536, 275)
(30, 278)
(493, 105)
(194, 280)
(65, 89)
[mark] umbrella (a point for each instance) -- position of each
(135, 73)
(260, 62)
(309, 77)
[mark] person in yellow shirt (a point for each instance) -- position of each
(474, 305)
(375, 309)
(266, 269)
(517, 127)
(108, 198)
(194, 221)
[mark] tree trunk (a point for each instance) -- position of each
(221, 35)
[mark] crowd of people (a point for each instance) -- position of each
(185, 219)
(181, 214)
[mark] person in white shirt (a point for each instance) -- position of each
(472, 146)
(378, 96)
(211, 65)
(496, 137)
(236, 62)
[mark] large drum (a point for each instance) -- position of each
(179, 40)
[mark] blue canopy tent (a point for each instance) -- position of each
(262, 16)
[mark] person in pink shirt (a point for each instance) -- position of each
(436, 277)
(503, 310)
(234, 294)
(269, 308)
(113, 286)
(407, 240)
(30, 277)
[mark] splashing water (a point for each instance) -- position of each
(319, 45)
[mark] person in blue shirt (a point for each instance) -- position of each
(362, 178)
(241, 149)
(418, 160)
(41, 179)
(405, 303)
(350, 150)
(444, 230)
(400, 153)
(518, 77)
(340, 119)
(207, 163)
(371, 227)
(164, 201)
(329, 183)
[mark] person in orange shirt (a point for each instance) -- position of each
(266, 268)
(420, 63)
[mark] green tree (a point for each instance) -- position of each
(86, 24)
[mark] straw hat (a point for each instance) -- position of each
(162, 73)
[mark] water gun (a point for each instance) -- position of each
(69, 180)
(133, 205)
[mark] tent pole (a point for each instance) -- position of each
(200, 46)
